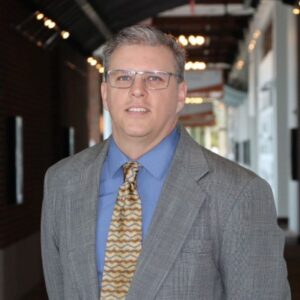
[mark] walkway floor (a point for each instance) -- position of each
(292, 255)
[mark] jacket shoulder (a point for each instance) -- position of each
(63, 170)
(227, 169)
(228, 183)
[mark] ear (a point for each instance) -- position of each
(104, 94)
(182, 91)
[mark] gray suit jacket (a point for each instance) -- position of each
(213, 235)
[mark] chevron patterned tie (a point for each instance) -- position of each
(124, 241)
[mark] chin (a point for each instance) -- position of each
(136, 130)
(136, 133)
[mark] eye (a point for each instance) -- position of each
(124, 78)
(154, 78)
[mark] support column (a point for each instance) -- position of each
(253, 112)
(282, 148)
(298, 112)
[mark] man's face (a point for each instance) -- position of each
(138, 113)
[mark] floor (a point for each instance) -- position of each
(292, 255)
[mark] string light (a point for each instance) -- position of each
(296, 10)
(200, 40)
(192, 40)
(194, 100)
(94, 63)
(39, 16)
(65, 34)
(47, 22)
(197, 65)
(182, 40)
(240, 64)
(252, 45)
(100, 68)
(256, 34)
(51, 24)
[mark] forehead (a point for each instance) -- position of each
(142, 57)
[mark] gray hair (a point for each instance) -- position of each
(148, 36)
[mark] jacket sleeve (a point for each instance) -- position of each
(50, 252)
(251, 258)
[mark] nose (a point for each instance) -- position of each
(138, 86)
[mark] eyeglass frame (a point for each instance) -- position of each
(107, 73)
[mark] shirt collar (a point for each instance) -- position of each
(116, 158)
(156, 161)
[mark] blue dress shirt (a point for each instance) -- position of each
(150, 179)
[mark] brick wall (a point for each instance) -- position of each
(50, 90)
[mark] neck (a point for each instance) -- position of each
(134, 147)
(134, 150)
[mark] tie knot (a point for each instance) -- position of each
(130, 171)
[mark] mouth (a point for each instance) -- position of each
(137, 110)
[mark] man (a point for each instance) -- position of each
(195, 225)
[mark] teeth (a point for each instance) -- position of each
(137, 109)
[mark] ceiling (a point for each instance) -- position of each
(223, 23)
(91, 22)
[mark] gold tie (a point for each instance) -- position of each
(124, 241)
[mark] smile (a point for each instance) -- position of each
(137, 109)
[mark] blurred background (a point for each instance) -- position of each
(243, 102)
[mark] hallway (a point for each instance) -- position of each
(243, 101)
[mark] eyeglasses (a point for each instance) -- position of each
(153, 80)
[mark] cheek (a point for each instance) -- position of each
(108, 102)
(115, 104)
(166, 110)
(172, 106)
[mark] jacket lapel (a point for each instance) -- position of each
(174, 216)
(83, 218)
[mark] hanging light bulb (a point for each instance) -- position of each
(39, 16)
(256, 34)
(296, 11)
(240, 64)
(192, 40)
(65, 34)
(197, 65)
(200, 40)
(182, 40)
(51, 25)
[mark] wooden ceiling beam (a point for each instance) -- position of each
(202, 21)
(235, 34)
(219, 1)
(211, 52)
(212, 58)
(223, 33)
